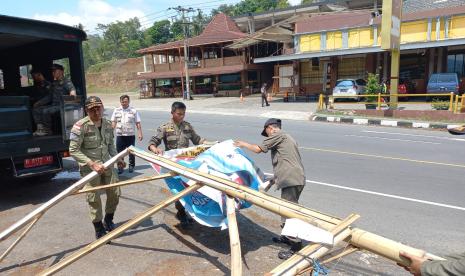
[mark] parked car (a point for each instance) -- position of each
(405, 87)
(443, 83)
(349, 88)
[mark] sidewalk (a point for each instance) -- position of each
(232, 106)
(251, 107)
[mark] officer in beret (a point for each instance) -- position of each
(92, 144)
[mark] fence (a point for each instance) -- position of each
(452, 101)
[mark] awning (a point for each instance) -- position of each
(231, 69)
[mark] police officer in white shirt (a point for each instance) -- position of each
(125, 120)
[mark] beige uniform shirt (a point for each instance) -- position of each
(285, 157)
(88, 142)
(175, 136)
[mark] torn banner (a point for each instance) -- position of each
(207, 205)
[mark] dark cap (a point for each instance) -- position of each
(93, 101)
(271, 121)
(56, 66)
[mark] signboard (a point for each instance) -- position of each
(390, 24)
(193, 63)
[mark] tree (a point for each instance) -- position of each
(224, 8)
(159, 32)
(303, 2)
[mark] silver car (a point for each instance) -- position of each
(349, 89)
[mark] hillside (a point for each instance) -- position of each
(115, 76)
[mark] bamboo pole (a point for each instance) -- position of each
(117, 232)
(359, 237)
(301, 261)
(234, 241)
(124, 183)
(239, 191)
(332, 258)
(8, 250)
(47, 205)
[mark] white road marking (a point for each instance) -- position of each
(392, 139)
(384, 195)
(413, 135)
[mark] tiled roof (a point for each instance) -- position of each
(333, 21)
(424, 5)
(221, 29)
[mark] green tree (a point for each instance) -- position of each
(159, 32)
(303, 2)
(224, 8)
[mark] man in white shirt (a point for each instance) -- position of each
(125, 120)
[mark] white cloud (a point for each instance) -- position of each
(92, 12)
(294, 2)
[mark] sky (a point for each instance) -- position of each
(91, 12)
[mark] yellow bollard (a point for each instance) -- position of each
(320, 102)
(461, 103)
(331, 102)
(456, 103)
(451, 103)
(379, 101)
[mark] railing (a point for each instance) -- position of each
(453, 102)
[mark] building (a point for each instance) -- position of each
(213, 67)
(346, 44)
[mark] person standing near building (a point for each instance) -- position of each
(176, 134)
(91, 145)
(289, 174)
(264, 94)
(125, 119)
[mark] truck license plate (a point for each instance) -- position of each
(38, 161)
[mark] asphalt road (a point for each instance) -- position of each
(407, 185)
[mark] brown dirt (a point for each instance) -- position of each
(114, 76)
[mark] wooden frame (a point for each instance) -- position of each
(341, 229)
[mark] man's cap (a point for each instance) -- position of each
(56, 66)
(271, 121)
(93, 101)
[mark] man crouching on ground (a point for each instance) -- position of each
(289, 175)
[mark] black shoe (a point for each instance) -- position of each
(267, 105)
(99, 230)
(281, 239)
(108, 223)
(285, 254)
(183, 219)
(131, 169)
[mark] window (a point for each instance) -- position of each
(311, 74)
(210, 54)
(352, 68)
(65, 63)
(26, 78)
(456, 64)
(2, 84)
(230, 82)
(161, 59)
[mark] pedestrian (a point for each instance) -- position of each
(48, 104)
(176, 134)
(422, 266)
(61, 83)
(264, 95)
(125, 119)
(91, 145)
(289, 174)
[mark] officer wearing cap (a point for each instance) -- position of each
(61, 84)
(289, 174)
(176, 134)
(92, 144)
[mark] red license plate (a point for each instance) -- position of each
(38, 161)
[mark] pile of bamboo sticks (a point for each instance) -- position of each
(297, 264)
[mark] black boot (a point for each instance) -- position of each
(183, 219)
(99, 230)
(108, 222)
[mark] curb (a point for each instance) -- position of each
(381, 122)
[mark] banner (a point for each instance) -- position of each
(207, 205)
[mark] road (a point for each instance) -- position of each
(406, 185)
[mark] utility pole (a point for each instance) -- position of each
(182, 11)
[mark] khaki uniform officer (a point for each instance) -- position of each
(176, 134)
(92, 144)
